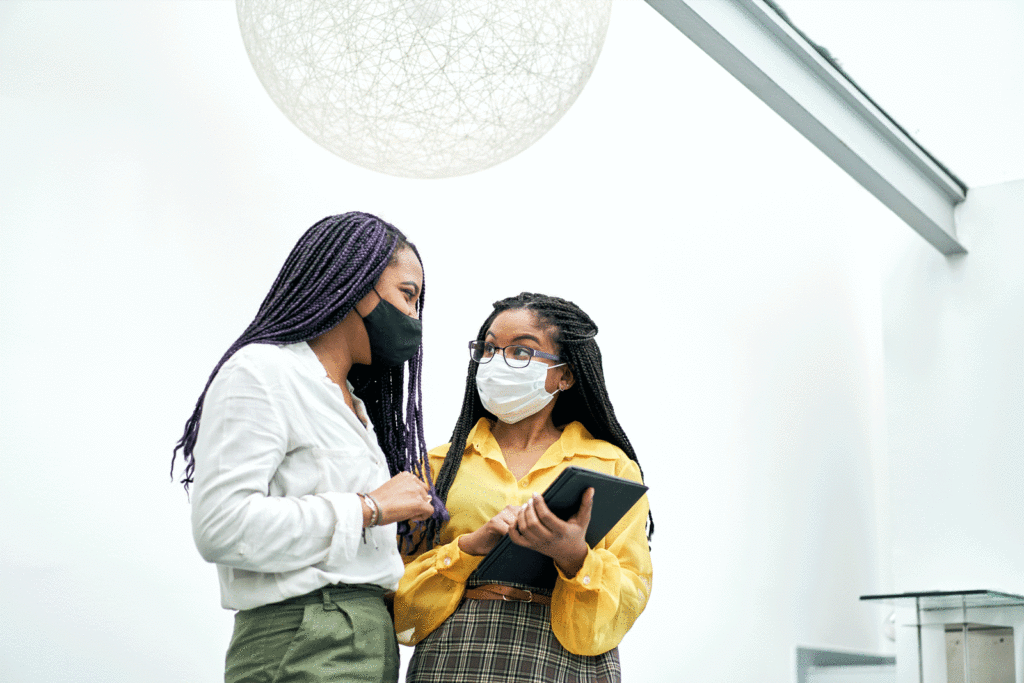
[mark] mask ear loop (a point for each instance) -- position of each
(561, 385)
(559, 388)
(373, 287)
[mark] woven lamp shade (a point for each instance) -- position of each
(424, 88)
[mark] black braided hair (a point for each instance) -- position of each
(334, 264)
(586, 401)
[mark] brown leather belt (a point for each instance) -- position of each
(494, 591)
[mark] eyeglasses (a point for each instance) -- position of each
(516, 356)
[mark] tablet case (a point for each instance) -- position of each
(613, 498)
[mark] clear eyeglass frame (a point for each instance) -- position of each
(515, 355)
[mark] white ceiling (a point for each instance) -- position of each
(951, 72)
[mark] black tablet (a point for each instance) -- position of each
(613, 498)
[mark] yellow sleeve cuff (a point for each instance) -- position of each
(455, 565)
(588, 578)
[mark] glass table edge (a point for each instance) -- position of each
(931, 599)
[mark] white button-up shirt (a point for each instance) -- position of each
(278, 461)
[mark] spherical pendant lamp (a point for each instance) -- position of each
(424, 88)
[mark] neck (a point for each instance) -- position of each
(334, 349)
(528, 432)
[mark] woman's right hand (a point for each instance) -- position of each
(483, 540)
(403, 496)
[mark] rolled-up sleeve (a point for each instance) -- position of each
(593, 610)
(235, 522)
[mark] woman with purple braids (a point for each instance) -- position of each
(302, 459)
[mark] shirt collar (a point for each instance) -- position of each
(575, 441)
(482, 441)
(313, 365)
(308, 357)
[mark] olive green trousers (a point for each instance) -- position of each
(336, 633)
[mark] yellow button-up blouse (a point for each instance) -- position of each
(590, 612)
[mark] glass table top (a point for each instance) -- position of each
(936, 600)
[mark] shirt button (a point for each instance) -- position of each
(523, 483)
(447, 561)
(586, 580)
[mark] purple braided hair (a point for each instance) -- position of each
(333, 265)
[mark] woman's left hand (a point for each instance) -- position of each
(537, 528)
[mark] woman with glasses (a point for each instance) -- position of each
(535, 403)
(295, 494)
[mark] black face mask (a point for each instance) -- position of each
(394, 336)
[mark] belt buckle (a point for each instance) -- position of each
(529, 597)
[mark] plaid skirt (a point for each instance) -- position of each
(493, 641)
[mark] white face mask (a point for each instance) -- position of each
(512, 394)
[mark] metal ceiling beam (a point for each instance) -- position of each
(774, 60)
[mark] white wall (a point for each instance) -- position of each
(149, 191)
(954, 366)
